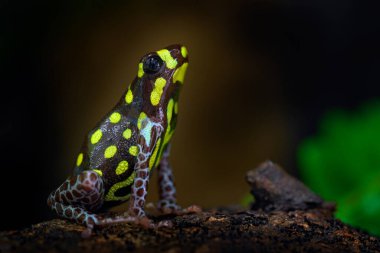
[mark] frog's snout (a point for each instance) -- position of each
(178, 52)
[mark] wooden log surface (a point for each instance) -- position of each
(281, 220)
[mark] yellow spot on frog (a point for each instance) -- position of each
(127, 133)
(121, 167)
(111, 193)
(129, 96)
(96, 136)
(140, 72)
(99, 172)
(79, 159)
(169, 112)
(169, 115)
(115, 117)
(133, 150)
(142, 116)
(179, 74)
(165, 55)
(168, 136)
(168, 133)
(184, 52)
(176, 108)
(159, 85)
(154, 154)
(110, 151)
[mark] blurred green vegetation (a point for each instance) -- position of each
(342, 164)
(247, 200)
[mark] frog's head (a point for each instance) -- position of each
(161, 74)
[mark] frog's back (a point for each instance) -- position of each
(110, 149)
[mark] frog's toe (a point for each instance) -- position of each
(126, 218)
(87, 233)
(90, 221)
(192, 209)
(165, 224)
(168, 207)
(145, 222)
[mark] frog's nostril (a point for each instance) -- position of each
(177, 51)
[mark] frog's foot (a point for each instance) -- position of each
(166, 206)
(142, 221)
(170, 207)
(99, 221)
(78, 214)
(192, 209)
(77, 197)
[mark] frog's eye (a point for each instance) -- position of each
(152, 64)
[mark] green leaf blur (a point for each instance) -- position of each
(342, 164)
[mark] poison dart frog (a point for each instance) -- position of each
(120, 152)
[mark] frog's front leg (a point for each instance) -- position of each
(77, 197)
(139, 188)
(139, 192)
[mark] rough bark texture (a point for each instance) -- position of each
(285, 217)
(274, 189)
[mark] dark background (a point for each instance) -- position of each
(261, 75)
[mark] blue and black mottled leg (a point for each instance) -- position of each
(139, 189)
(138, 192)
(77, 197)
(168, 201)
(167, 190)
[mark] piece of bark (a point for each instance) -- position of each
(216, 231)
(281, 224)
(274, 189)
